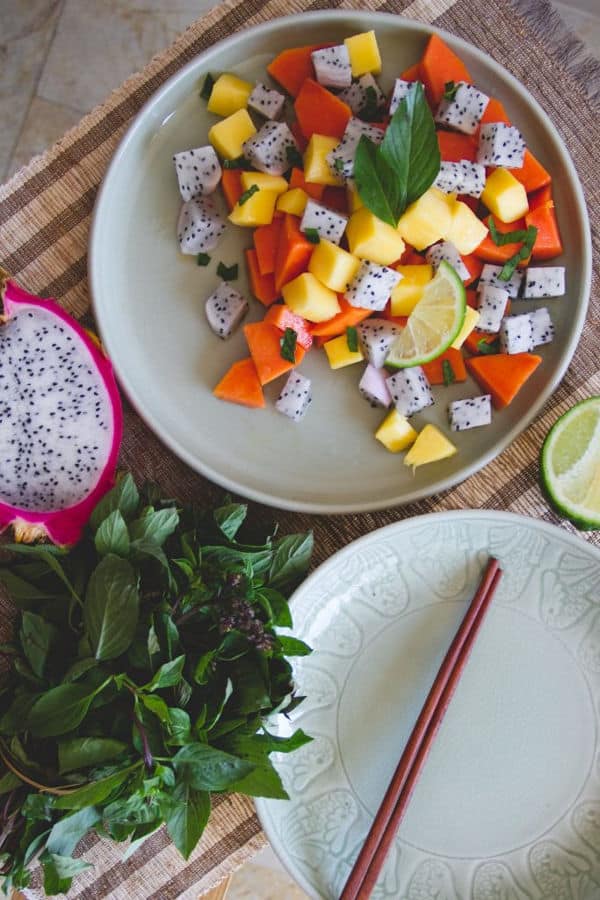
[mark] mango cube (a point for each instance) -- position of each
(364, 53)
(395, 432)
(470, 321)
(409, 291)
(504, 196)
(316, 168)
(276, 183)
(466, 230)
(339, 353)
(229, 135)
(430, 446)
(229, 94)
(370, 238)
(334, 267)
(293, 201)
(353, 197)
(428, 219)
(309, 298)
(256, 210)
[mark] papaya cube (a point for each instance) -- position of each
(409, 290)
(333, 266)
(276, 183)
(470, 321)
(370, 238)
(466, 230)
(256, 210)
(309, 298)
(339, 353)
(430, 446)
(364, 53)
(229, 94)
(427, 220)
(229, 135)
(353, 200)
(504, 196)
(395, 432)
(316, 168)
(293, 202)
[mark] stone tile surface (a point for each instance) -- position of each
(44, 124)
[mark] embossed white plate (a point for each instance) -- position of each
(508, 803)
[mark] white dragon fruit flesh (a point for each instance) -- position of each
(399, 92)
(266, 101)
(271, 148)
(447, 252)
(410, 390)
(500, 145)
(296, 396)
(491, 303)
(199, 226)
(198, 171)
(516, 334)
(60, 419)
(373, 387)
(544, 281)
(462, 177)
(490, 275)
(470, 413)
(372, 285)
(329, 224)
(341, 158)
(376, 336)
(332, 66)
(225, 309)
(363, 94)
(542, 329)
(464, 111)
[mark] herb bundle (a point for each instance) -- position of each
(144, 665)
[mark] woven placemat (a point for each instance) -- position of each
(44, 220)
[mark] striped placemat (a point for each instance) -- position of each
(44, 220)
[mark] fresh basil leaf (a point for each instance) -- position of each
(59, 872)
(12, 720)
(202, 259)
(79, 668)
(279, 610)
(9, 782)
(95, 793)
(60, 709)
(205, 768)
(207, 86)
(112, 535)
(291, 558)
(312, 235)
(263, 781)
(253, 189)
(20, 589)
(168, 675)
(157, 706)
(352, 339)
(124, 497)
(376, 182)
(155, 525)
(85, 752)
(146, 547)
(37, 639)
(411, 148)
(68, 831)
(230, 518)
(203, 667)
(179, 727)
(139, 837)
(187, 817)
(111, 607)
(448, 372)
(277, 744)
(288, 345)
(292, 646)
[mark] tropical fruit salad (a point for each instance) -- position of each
(400, 229)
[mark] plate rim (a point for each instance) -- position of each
(339, 507)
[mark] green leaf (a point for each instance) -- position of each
(291, 558)
(179, 726)
(279, 607)
(352, 338)
(230, 517)
(155, 525)
(124, 497)
(9, 782)
(312, 235)
(112, 535)
(68, 831)
(79, 668)
(240, 162)
(187, 817)
(293, 156)
(448, 372)
(111, 607)
(501, 238)
(59, 872)
(207, 86)
(369, 111)
(168, 675)
(142, 833)
(253, 189)
(264, 781)
(60, 709)
(520, 256)
(12, 720)
(20, 589)
(292, 646)
(202, 259)
(288, 345)
(488, 348)
(450, 89)
(202, 669)
(37, 638)
(376, 182)
(146, 547)
(85, 752)
(157, 706)
(95, 793)
(205, 768)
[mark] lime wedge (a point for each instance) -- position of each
(434, 322)
(570, 462)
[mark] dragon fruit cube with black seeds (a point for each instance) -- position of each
(198, 171)
(225, 309)
(447, 252)
(464, 111)
(491, 305)
(342, 156)
(296, 396)
(516, 334)
(362, 93)
(542, 329)
(373, 387)
(267, 150)
(410, 390)
(372, 285)
(199, 226)
(267, 102)
(490, 274)
(470, 413)
(376, 336)
(332, 66)
(329, 224)
(462, 177)
(500, 145)
(400, 91)
(544, 281)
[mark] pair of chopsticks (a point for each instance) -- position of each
(371, 858)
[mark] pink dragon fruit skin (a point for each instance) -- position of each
(62, 525)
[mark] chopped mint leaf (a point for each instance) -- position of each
(520, 256)
(203, 259)
(338, 165)
(450, 89)
(488, 348)
(240, 162)
(253, 189)
(369, 111)
(448, 372)
(312, 235)
(508, 237)
(288, 345)
(207, 87)
(352, 339)
(227, 273)
(293, 156)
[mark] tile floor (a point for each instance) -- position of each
(58, 59)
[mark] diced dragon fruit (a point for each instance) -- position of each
(341, 158)
(225, 309)
(400, 91)
(489, 275)
(470, 413)
(332, 66)
(491, 305)
(199, 226)
(545, 281)
(376, 336)
(364, 93)
(542, 329)
(372, 285)
(198, 171)
(269, 149)
(462, 177)
(447, 252)
(464, 111)
(265, 101)
(410, 390)
(296, 397)
(516, 334)
(500, 145)
(373, 386)
(329, 224)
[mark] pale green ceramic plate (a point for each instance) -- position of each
(508, 803)
(148, 300)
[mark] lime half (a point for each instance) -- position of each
(571, 464)
(434, 322)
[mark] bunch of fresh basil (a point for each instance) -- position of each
(144, 665)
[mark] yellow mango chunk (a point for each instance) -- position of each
(430, 446)
(395, 432)
(364, 53)
(316, 168)
(370, 238)
(470, 321)
(276, 183)
(309, 298)
(293, 201)
(339, 353)
(504, 196)
(409, 291)
(229, 94)
(428, 219)
(466, 231)
(334, 267)
(353, 197)
(229, 135)
(256, 210)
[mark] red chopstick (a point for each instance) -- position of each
(372, 856)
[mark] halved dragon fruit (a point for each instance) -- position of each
(447, 252)
(341, 158)
(199, 226)
(462, 177)
(60, 419)
(265, 101)
(464, 111)
(410, 390)
(372, 285)
(470, 413)
(225, 309)
(542, 329)
(296, 396)
(490, 275)
(269, 150)
(363, 94)
(544, 281)
(516, 334)
(373, 386)
(198, 171)
(329, 224)
(500, 145)
(332, 66)
(376, 336)
(491, 303)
